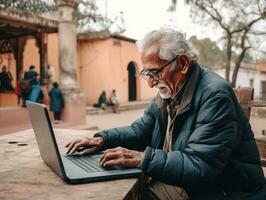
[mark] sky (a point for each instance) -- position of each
(142, 16)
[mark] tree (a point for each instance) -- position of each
(90, 20)
(36, 6)
(210, 55)
(241, 22)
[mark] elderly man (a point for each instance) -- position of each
(198, 142)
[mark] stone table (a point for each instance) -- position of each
(24, 175)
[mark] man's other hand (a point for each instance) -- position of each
(87, 145)
(121, 157)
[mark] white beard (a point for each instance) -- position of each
(164, 96)
(167, 93)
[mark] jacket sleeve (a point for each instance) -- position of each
(135, 136)
(208, 150)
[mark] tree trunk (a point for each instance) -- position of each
(237, 66)
(228, 56)
(240, 57)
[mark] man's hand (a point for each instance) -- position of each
(87, 145)
(121, 157)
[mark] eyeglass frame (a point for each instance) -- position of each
(154, 73)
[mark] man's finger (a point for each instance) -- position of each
(71, 142)
(110, 151)
(110, 156)
(76, 146)
(71, 145)
(89, 151)
(121, 162)
(111, 163)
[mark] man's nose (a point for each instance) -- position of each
(152, 82)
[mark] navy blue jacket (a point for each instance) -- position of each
(32, 76)
(56, 100)
(213, 144)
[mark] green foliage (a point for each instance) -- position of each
(210, 55)
(90, 20)
(35, 6)
(88, 17)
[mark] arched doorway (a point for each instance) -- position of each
(132, 84)
(8, 59)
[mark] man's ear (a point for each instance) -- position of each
(184, 63)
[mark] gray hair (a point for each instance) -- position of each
(171, 42)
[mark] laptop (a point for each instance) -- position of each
(71, 168)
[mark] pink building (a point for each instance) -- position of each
(104, 62)
(111, 62)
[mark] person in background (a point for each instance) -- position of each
(114, 101)
(5, 80)
(197, 140)
(102, 101)
(18, 88)
(50, 73)
(56, 102)
(31, 75)
(35, 93)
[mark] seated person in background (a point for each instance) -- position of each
(5, 80)
(197, 139)
(102, 101)
(114, 101)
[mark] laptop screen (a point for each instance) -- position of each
(45, 136)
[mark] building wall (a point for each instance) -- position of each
(53, 54)
(31, 55)
(92, 59)
(245, 77)
(103, 66)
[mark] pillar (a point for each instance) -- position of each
(75, 108)
(41, 41)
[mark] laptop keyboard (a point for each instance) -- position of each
(88, 163)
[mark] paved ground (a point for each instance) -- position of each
(111, 120)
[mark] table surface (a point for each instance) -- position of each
(24, 175)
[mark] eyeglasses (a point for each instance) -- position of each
(155, 73)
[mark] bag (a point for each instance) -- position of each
(36, 94)
(18, 89)
(25, 87)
